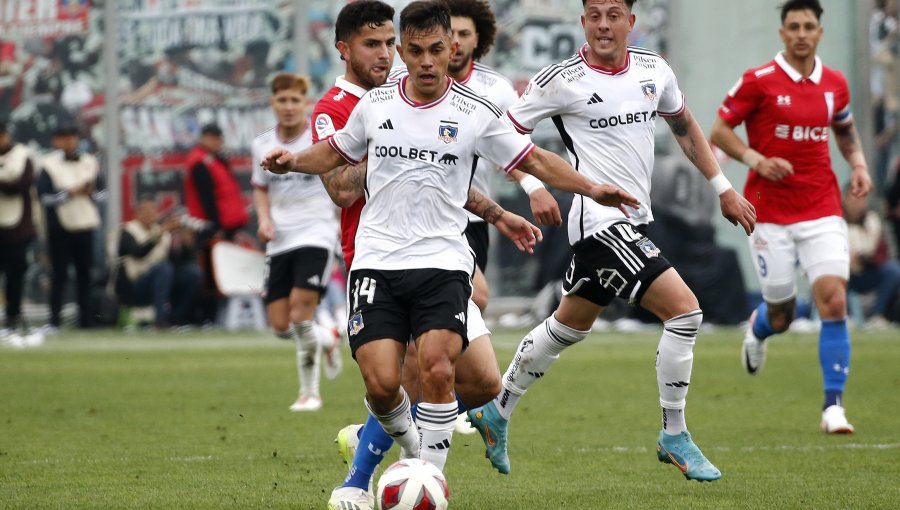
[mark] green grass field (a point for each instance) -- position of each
(105, 420)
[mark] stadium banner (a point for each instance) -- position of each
(43, 18)
(187, 63)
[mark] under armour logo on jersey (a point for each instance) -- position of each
(461, 316)
(783, 101)
(595, 99)
(386, 125)
(314, 280)
(443, 445)
(448, 159)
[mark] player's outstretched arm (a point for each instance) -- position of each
(522, 233)
(543, 205)
(848, 142)
(553, 170)
(689, 135)
(345, 184)
(318, 159)
(724, 137)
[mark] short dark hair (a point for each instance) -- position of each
(801, 5)
(371, 13)
(479, 11)
(423, 15)
(629, 3)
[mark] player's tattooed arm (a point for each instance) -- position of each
(681, 127)
(482, 206)
(345, 184)
(516, 228)
(848, 142)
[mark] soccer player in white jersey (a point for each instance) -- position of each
(605, 100)
(298, 224)
(788, 106)
(473, 28)
(411, 275)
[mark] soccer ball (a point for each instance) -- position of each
(412, 484)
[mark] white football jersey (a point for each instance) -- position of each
(607, 121)
(302, 211)
(497, 89)
(420, 163)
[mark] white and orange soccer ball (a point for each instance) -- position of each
(412, 484)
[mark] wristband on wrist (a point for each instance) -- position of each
(531, 184)
(720, 183)
(752, 158)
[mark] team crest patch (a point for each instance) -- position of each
(649, 90)
(448, 131)
(356, 324)
(649, 249)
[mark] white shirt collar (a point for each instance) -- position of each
(795, 75)
(354, 89)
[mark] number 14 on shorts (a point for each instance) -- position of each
(364, 288)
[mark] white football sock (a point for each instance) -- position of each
(308, 354)
(536, 353)
(674, 361)
(399, 425)
(436, 423)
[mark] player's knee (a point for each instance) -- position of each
(280, 325)
(686, 324)
(834, 307)
(781, 315)
(477, 392)
(435, 369)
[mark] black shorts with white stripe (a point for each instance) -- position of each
(619, 261)
(307, 268)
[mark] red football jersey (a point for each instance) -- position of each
(790, 117)
(329, 115)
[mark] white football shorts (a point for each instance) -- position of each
(475, 326)
(819, 246)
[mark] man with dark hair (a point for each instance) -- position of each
(788, 106)
(473, 29)
(17, 178)
(70, 188)
(604, 101)
(298, 224)
(411, 274)
(365, 51)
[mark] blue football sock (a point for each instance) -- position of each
(761, 327)
(373, 445)
(834, 357)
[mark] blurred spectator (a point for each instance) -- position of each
(884, 46)
(213, 194)
(147, 275)
(871, 268)
(17, 177)
(893, 203)
(211, 191)
(70, 188)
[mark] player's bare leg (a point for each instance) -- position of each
(830, 294)
(477, 376)
(380, 366)
(670, 299)
(439, 350)
(480, 290)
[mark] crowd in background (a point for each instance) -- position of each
(50, 91)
